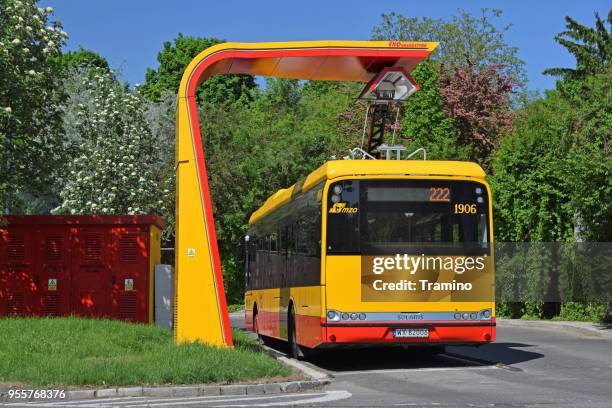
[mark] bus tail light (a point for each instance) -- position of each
(482, 315)
(333, 316)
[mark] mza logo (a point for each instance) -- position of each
(341, 208)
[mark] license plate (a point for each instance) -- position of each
(410, 333)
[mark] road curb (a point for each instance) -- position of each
(197, 390)
(604, 330)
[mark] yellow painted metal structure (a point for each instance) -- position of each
(200, 305)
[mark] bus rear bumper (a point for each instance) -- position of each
(439, 334)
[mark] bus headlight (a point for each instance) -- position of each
(485, 314)
(353, 316)
(362, 316)
(333, 316)
(465, 316)
(457, 316)
(473, 316)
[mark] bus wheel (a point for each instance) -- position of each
(256, 327)
(294, 348)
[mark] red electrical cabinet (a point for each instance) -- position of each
(92, 266)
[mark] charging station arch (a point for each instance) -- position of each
(200, 307)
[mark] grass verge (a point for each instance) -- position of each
(235, 308)
(77, 352)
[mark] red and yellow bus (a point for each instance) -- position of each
(374, 252)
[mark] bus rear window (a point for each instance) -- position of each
(407, 216)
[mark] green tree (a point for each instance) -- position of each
(30, 104)
(552, 174)
(588, 164)
(321, 87)
(174, 59)
(479, 74)
(82, 58)
(592, 47)
(531, 201)
(281, 93)
(425, 123)
(529, 185)
(552, 183)
(463, 36)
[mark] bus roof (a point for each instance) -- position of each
(340, 168)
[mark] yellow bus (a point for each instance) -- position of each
(374, 252)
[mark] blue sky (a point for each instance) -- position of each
(130, 33)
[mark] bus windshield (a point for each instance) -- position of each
(372, 217)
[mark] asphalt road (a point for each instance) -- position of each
(526, 366)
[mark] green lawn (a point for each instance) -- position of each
(235, 308)
(71, 351)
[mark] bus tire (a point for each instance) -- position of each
(294, 348)
(256, 326)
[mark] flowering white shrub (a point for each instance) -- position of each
(110, 147)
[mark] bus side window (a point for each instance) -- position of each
(264, 264)
(293, 237)
(300, 238)
(313, 233)
(273, 242)
(249, 252)
(285, 240)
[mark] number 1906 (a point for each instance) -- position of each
(465, 208)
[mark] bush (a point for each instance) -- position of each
(589, 312)
(509, 310)
(570, 311)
